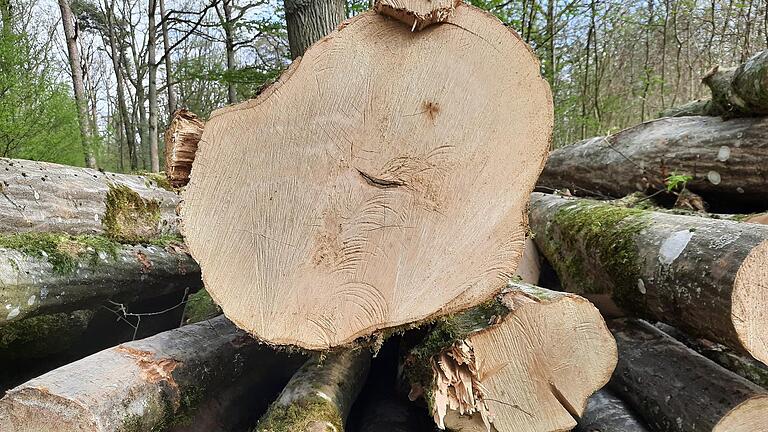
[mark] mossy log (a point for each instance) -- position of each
(709, 277)
(50, 273)
(47, 197)
(528, 360)
(739, 364)
(725, 160)
(181, 140)
(148, 385)
(319, 396)
(675, 389)
(699, 107)
(607, 413)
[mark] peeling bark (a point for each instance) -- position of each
(705, 276)
(676, 390)
(166, 380)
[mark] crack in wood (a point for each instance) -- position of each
(380, 183)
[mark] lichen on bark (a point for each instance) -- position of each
(129, 218)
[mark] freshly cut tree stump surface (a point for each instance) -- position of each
(370, 187)
(708, 277)
(678, 390)
(725, 158)
(607, 413)
(147, 385)
(528, 361)
(47, 197)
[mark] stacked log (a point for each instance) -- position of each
(607, 413)
(706, 276)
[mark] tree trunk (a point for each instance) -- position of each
(154, 156)
(320, 234)
(607, 413)
(724, 158)
(73, 53)
(518, 362)
(309, 20)
(6, 17)
(229, 45)
(168, 61)
(320, 395)
(181, 140)
(740, 91)
(172, 378)
(44, 197)
(677, 390)
(741, 365)
(706, 276)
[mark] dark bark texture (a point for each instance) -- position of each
(607, 413)
(310, 20)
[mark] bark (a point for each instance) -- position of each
(699, 107)
(309, 20)
(168, 61)
(320, 234)
(76, 273)
(45, 197)
(181, 140)
(706, 276)
(153, 107)
(229, 45)
(516, 362)
(724, 158)
(320, 395)
(676, 390)
(73, 54)
(739, 364)
(165, 380)
(607, 413)
(417, 14)
(740, 91)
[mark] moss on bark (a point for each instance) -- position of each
(200, 307)
(299, 415)
(129, 218)
(64, 252)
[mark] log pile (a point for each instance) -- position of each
(379, 269)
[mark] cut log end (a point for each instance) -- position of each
(417, 14)
(751, 415)
(749, 301)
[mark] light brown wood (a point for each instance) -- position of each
(529, 269)
(529, 362)
(328, 209)
(181, 140)
(417, 14)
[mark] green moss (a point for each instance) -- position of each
(165, 414)
(586, 236)
(129, 218)
(63, 251)
(42, 335)
(158, 179)
(200, 307)
(298, 415)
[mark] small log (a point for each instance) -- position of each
(417, 14)
(700, 107)
(678, 390)
(47, 197)
(739, 364)
(356, 245)
(149, 384)
(319, 396)
(517, 363)
(50, 273)
(724, 158)
(607, 413)
(181, 140)
(706, 276)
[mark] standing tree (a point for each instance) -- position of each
(309, 20)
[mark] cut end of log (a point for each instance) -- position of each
(36, 410)
(750, 416)
(181, 140)
(749, 301)
(417, 14)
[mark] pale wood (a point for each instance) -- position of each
(529, 269)
(47, 197)
(709, 277)
(678, 390)
(328, 209)
(527, 363)
(417, 14)
(148, 384)
(725, 158)
(181, 140)
(319, 396)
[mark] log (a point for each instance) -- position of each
(741, 90)
(607, 413)
(678, 390)
(518, 363)
(320, 395)
(706, 276)
(47, 197)
(51, 273)
(699, 107)
(739, 364)
(181, 140)
(726, 160)
(319, 217)
(150, 384)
